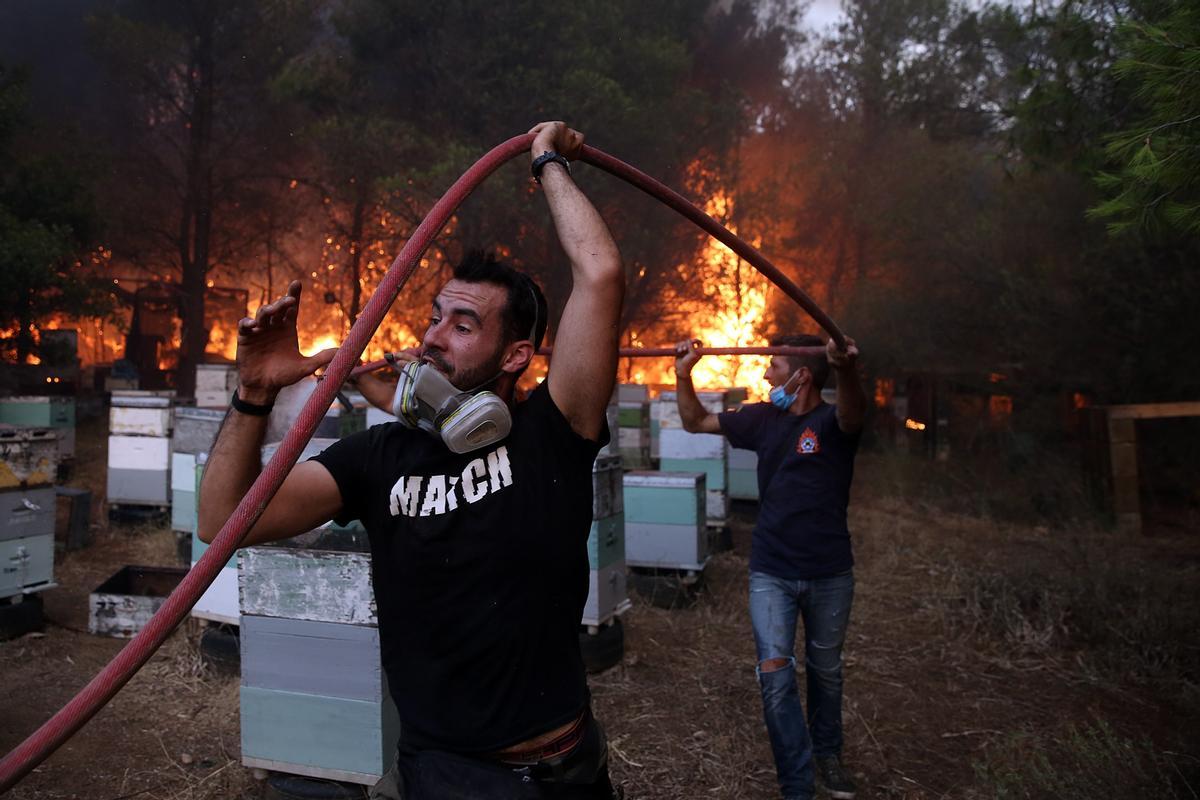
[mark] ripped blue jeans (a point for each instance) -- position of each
(824, 606)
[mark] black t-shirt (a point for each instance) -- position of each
(480, 568)
(805, 466)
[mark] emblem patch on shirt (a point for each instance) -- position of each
(809, 443)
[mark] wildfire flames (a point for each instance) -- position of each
(726, 311)
(730, 314)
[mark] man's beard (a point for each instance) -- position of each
(466, 380)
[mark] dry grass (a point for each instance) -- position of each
(988, 656)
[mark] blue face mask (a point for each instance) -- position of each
(781, 399)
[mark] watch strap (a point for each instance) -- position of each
(253, 409)
(545, 158)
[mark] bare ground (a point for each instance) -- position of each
(931, 691)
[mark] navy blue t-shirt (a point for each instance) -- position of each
(805, 466)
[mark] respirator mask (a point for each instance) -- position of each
(464, 421)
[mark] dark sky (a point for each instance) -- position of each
(49, 36)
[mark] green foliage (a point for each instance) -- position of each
(46, 223)
(1156, 184)
(1077, 763)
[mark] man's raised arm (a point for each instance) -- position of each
(692, 413)
(268, 360)
(584, 368)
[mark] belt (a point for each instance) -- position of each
(560, 745)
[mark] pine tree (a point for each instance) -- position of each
(1156, 186)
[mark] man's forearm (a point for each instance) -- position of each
(377, 391)
(582, 231)
(851, 400)
(233, 465)
(691, 411)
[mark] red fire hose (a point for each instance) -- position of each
(71, 717)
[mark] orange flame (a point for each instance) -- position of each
(729, 315)
(222, 341)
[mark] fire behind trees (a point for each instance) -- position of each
(925, 169)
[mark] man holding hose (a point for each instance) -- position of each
(800, 559)
(477, 509)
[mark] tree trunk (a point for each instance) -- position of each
(198, 209)
(356, 238)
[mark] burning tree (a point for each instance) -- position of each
(47, 224)
(198, 133)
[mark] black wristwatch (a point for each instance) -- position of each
(544, 159)
(253, 409)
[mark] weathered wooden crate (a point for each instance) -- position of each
(123, 604)
(183, 492)
(607, 594)
(43, 411)
(681, 451)
(633, 414)
(139, 421)
(215, 384)
(195, 429)
(27, 512)
(716, 507)
(665, 520)
(613, 448)
(139, 416)
(743, 474)
(714, 469)
(607, 493)
(28, 457)
(139, 469)
(219, 603)
(664, 414)
(634, 434)
(678, 443)
(323, 576)
(606, 541)
(714, 401)
(633, 393)
(298, 583)
(314, 698)
(26, 564)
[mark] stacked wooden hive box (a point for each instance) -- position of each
(607, 595)
(42, 411)
(743, 472)
(139, 448)
(28, 468)
(219, 603)
(195, 431)
(314, 698)
(665, 521)
(681, 451)
(633, 421)
(215, 384)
